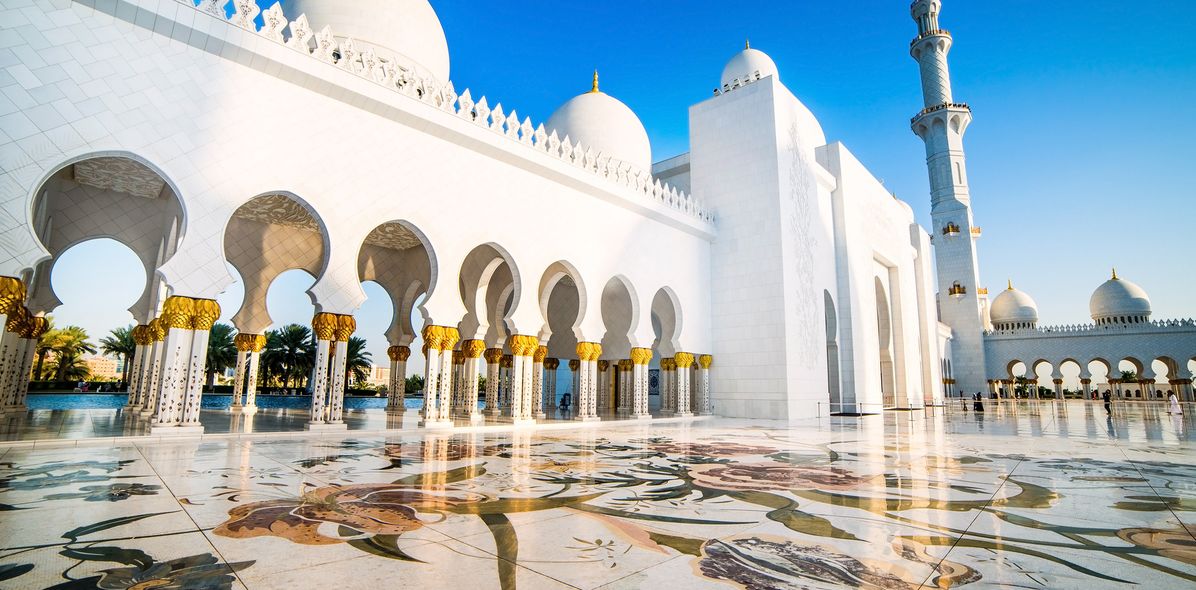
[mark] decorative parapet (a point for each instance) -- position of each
(1155, 326)
(323, 45)
(737, 82)
(938, 107)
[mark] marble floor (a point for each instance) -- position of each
(1027, 495)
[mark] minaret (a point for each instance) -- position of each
(941, 125)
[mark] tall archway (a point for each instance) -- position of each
(666, 322)
(489, 283)
(884, 324)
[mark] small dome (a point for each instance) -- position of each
(1119, 301)
(1012, 307)
(405, 31)
(600, 122)
(746, 63)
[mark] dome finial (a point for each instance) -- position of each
(595, 87)
(747, 43)
(1010, 285)
(1115, 274)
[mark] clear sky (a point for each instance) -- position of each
(1080, 156)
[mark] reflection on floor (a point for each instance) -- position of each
(1038, 495)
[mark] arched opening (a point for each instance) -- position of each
(490, 287)
(1070, 371)
(665, 319)
(561, 299)
(884, 325)
(108, 223)
(832, 352)
(1043, 375)
(1101, 372)
(289, 356)
(1129, 376)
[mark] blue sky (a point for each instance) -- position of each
(1080, 155)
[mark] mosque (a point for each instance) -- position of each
(765, 273)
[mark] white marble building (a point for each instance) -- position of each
(766, 272)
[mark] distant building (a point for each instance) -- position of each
(102, 368)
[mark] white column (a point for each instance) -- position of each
(11, 350)
(575, 370)
(504, 384)
(431, 381)
(684, 362)
(538, 382)
(472, 351)
(177, 315)
(667, 393)
(207, 311)
(588, 353)
(25, 368)
(704, 407)
(445, 397)
(640, 357)
(601, 383)
(396, 392)
(134, 367)
(255, 358)
(324, 327)
(239, 375)
(493, 360)
(336, 388)
(439, 341)
(12, 312)
(152, 384)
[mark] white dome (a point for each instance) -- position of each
(601, 122)
(406, 31)
(1118, 298)
(1013, 307)
(746, 63)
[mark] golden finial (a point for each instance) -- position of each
(747, 43)
(1010, 283)
(1115, 274)
(595, 87)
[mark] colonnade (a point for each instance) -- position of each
(18, 344)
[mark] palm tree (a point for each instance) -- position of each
(70, 368)
(45, 343)
(290, 353)
(222, 352)
(70, 346)
(358, 361)
(120, 342)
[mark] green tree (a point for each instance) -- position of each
(45, 344)
(1129, 376)
(358, 360)
(222, 352)
(69, 347)
(290, 353)
(413, 383)
(120, 342)
(70, 368)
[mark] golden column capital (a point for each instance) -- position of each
(625, 364)
(473, 348)
(12, 294)
(458, 357)
(17, 319)
(603, 365)
(574, 365)
(345, 326)
(35, 326)
(398, 353)
(143, 334)
(245, 342)
(522, 345)
(493, 355)
(324, 325)
(259, 343)
(667, 364)
(177, 312)
(540, 354)
(552, 364)
(158, 329)
(706, 360)
(641, 356)
(684, 360)
(507, 361)
(589, 351)
(204, 314)
(449, 339)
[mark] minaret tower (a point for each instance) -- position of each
(941, 125)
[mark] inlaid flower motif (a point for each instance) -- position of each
(372, 509)
(762, 562)
(196, 571)
(114, 492)
(1175, 543)
(772, 476)
(722, 449)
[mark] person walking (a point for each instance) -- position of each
(1174, 409)
(1108, 402)
(978, 402)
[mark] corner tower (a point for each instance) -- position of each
(941, 125)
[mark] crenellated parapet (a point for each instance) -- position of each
(324, 46)
(1148, 327)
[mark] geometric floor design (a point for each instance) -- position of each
(1033, 495)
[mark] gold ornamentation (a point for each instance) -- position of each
(493, 355)
(574, 365)
(683, 360)
(641, 356)
(35, 327)
(245, 342)
(603, 365)
(458, 357)
(143, 334)
(157, 329)
(522, 345)
(507, 361)
(206, 312)
(17, 318)
(540, 355)
(345, 326)
(589, 351)
(12, 294)
(667, 364)
(433, 335)
(258, 343)
(552, 364)
(324, 325)
(626, 365)
(594, 88)
(450, 338)
(398, 353)
(706, 360)
(177, 312)
(473, 348)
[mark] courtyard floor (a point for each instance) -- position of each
(1026, 495)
